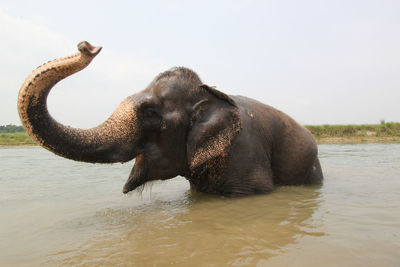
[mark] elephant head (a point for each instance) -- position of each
(173, 127)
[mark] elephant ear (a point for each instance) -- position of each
(215, 122)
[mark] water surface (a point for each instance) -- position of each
(55, 212)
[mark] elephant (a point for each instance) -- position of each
(222, 144)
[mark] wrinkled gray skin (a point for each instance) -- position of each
(227, 145)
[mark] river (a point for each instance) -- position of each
(55, 211)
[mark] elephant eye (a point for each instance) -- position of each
(150, 113)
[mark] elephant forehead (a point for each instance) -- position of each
(171, 88)
(141, 98)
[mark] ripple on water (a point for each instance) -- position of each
(78, 215)
(198, 228)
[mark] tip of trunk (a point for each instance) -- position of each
(89, 50)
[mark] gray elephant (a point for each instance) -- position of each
(227, 145)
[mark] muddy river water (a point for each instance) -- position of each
(56, 212)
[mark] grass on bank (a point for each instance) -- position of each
(16, 139)
(385, 132)
(379, 130)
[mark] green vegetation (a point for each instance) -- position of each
(383, 129)
(11, 129)
(12, 135)
(16, 139)
(378, 133)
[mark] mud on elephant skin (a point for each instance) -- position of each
(227, 145)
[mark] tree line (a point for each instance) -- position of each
(10, 128)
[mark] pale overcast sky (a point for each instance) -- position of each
(321, 62)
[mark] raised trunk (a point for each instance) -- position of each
(112, 141)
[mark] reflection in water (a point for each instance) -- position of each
(59, 212)
(199, 228)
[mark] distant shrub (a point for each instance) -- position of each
(10, 128)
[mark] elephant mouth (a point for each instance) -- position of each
(138, 175)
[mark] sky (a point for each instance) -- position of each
(321, 62)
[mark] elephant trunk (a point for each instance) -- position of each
(112, 141)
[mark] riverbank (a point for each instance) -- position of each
(324, 134)
(358, 140)
(16, 139)
(385, 132)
